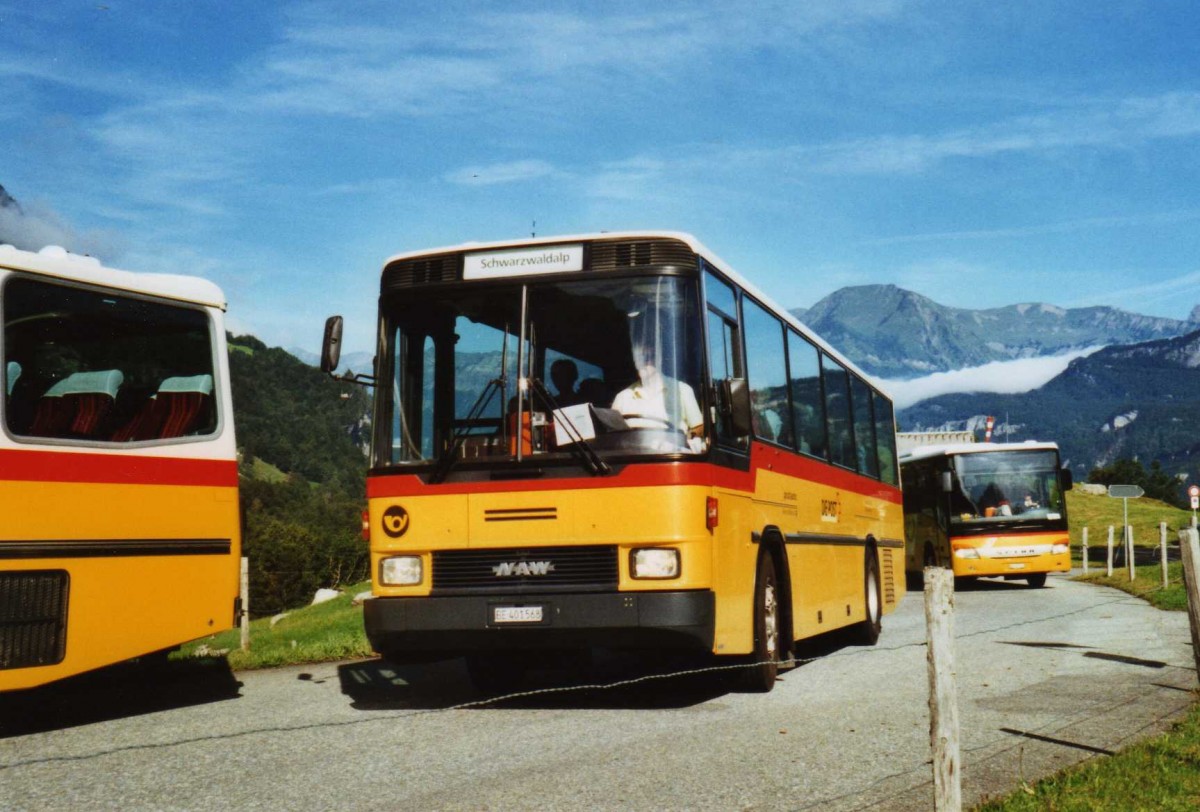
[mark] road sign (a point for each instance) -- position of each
(1125, 491)
(1194, 491)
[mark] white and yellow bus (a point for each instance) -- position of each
(118, 470)
(987, 509)
(614, 440)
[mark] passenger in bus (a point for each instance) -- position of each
(563, 374)
(1030, 503)
(646, 402)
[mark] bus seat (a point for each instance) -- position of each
(11, 373)
(188, 402)
(77, 405)
(177, 408)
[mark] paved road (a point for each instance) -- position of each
(1047, 678)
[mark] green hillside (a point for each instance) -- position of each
(301, 436)
(1098, 512)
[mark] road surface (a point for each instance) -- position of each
(1047, 678)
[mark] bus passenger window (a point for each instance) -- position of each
(837, 412)
(864, 428)
(808, 406)
(768, 375)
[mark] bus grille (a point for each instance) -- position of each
(618, 254)
(528, 569)
(33, 618)
(424, 271)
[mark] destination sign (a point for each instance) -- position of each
(523, 261)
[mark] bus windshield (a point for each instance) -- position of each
(999, 487)
(541, 369)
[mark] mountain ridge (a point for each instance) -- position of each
(892, 332)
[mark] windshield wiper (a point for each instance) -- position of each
(578, 445)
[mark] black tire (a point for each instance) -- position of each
(1036, 580)
(867, 632)
(496, 674)
(760, 677)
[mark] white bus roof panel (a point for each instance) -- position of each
(683, 237)
(54, 261)
(953, 449)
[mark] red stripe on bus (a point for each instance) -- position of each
(114, 469)
(654, 475)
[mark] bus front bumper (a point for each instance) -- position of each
(1012, 567)
(451, 626)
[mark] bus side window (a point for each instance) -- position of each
(724, 352)
(837, 412)
(767, 370)
(808, 405)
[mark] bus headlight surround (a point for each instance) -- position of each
(966, 552)
(654, 563)
(401, 570)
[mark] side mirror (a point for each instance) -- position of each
(735, 397)
(331, 346)
(1068, 479)
(947, 482)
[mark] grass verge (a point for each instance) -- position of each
(326, 632)
(1162, 773)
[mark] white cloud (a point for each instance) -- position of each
(1001, 377)
(34, 226)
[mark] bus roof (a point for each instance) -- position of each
(59, 263)
(694, 244)
(954, 449)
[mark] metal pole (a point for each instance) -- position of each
(1085, 551)
(1162, 547)
(1110, 550)
(245, 619)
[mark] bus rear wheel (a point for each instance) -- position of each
(760, 676)
(867, 632)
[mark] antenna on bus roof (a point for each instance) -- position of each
(533, 229)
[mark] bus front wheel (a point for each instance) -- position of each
(759, 677)
(1037, 580)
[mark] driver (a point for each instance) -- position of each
(643, 403)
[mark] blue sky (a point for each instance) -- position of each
(982, 154)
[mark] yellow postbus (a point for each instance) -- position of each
(986, 509)
(614, 440)
(118, 470)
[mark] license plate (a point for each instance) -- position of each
(516, 614)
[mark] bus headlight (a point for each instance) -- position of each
(966, 552)
(1059, 549)
(654, 562)
(400, 570)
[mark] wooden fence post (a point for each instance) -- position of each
(1110, 550)
(1189, 547)
(245, 619)
(943, 690)
(1162, 548)
(1085, 552)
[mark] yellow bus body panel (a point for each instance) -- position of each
(125, 606)
(827, 583)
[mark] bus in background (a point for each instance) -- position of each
(118, 470)
(986, 509)
(615, 441)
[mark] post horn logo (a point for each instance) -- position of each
(395, 521)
